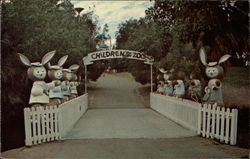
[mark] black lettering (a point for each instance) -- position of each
(93, 56)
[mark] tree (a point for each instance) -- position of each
(34, 28)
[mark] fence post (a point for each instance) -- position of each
(27, 124)
(222, 124)
(38, 115)
(233, 137)
(33, 121)
(213, 121)
(217, 131)
(204, 120)
(199, 120)
(227, 125)
(208, 121)
(60, 122)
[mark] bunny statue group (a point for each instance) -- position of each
(63, 81)
(180, 86)
(170, 85)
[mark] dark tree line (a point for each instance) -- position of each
(173, 32)
(33, 28)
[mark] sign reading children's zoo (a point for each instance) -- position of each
(114, 54)
(111, 54)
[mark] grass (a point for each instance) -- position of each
(235, 87)
(92, 84)
(125, 75)
(237, 77)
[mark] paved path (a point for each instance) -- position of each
(115, 92)
(126, 123)
(132, 121)
(127, 131)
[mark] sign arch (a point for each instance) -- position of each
(115, 54)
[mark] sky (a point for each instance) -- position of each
(114, 12)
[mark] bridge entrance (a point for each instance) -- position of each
(115, 54)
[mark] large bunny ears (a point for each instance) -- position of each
(47, 57)
(224, 58)
(74, 67)
(62, 60)
(24, 59)
(203, 58)
(162, 70)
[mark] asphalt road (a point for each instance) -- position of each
(118, 126)
(115, 92)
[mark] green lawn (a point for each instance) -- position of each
(125, 75)
(236, 77)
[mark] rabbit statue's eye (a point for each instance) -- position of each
(39, 73)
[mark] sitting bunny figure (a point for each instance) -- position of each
(160, 87)
(37, 73)
(179, 87)
(214, 72)
(73, 81)
(194, 88)
(55, 74)
(168, 86)
(65, 85)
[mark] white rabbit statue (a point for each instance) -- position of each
(179, 87)
(214, 72)
(37, 73)
(55, 74)
(168, 84)
(73, 81)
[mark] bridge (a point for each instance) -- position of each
(119, 124)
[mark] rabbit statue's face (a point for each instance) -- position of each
(58, 74)
(214, 72)
(55, 74)
(37, 73)
(67, 75)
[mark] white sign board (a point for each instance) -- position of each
(111, 54)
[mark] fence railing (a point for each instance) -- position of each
(218, 123)
(181, 111)
(49, 123)
(207, 120)
(70, 112)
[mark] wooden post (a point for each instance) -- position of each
(199, 120)
(204, 120)
(208, 120)
(213, 121)
(27, 124)
(86, 87)
(222, 124)
(151, 77)
(227, 125)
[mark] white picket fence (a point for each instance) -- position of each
(209, 121)
(181, 111)
(41, 124)
(218, 123)
(44, 124)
